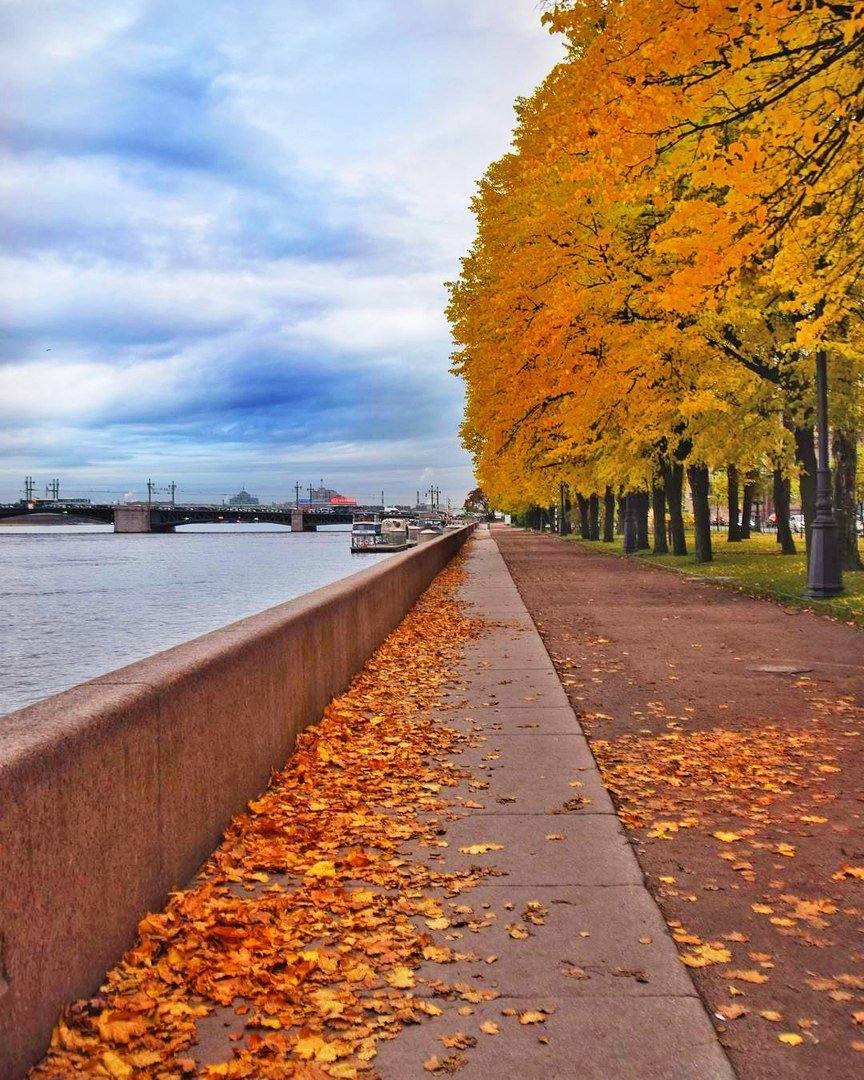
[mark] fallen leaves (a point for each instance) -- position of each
(481, 849)
(322, 869)
(732, 1012)
(855, 872)
(707, 954)
(532, 1016)
(309, 923)
(451, 1064)
(748, 976)
(791, 1038)
(459, 1041)
(400, 977)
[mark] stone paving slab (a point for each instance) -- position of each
(578, 951)
(546, 720)
(627, 1009)
(588, 1039)
(594, 850)
(563, 769)
(517, 650)
(532, 687)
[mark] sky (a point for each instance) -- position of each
(226, 227)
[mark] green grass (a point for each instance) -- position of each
(756, 567)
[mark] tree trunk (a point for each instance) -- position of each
(609, 516)
(673, 485)
(594, 517)
(619, 516)
(642, 503)
(781, 509)
(844, 450)
(563, 511)
(658, 507)
(700, 488)
(747, 506)
(734, 509)
(805, 455)
(584, 528)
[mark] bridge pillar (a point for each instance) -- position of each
(132, 518)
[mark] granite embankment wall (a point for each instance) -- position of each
(115, 791)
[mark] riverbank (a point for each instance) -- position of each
(114, 792)
(435, 883)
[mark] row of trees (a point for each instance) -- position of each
(675, 235)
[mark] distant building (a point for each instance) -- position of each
(324, 496)
(243, 498)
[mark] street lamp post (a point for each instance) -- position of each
(825, 577)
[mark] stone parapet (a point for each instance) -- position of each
(115, 791)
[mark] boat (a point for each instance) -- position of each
(371, 534)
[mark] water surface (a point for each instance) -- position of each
(78, 601)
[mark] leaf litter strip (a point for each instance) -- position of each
(304, 930)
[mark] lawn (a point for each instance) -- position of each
(756, 566)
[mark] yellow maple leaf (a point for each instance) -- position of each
(401, 977)
(531, 1016)
(790, 1038)
(120, 1027)
(323, 868)
(313, 1046)
(849, 872)
(115, 1065)
(481, 849)
(748, 976)
(726, 837)
(705, 955)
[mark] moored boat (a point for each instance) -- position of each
(370, 534)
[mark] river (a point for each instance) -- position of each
(79, 601)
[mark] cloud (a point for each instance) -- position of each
(226, 228)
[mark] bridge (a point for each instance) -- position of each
(164, 518)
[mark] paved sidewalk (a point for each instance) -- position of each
(575, 934)
(732, 730)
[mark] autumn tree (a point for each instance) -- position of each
(648, 284)
(477, 502)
